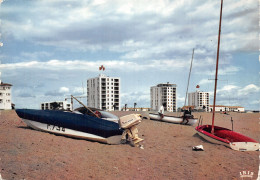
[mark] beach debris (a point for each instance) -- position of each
(198, 148)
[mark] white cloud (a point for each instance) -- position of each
(92, 66)
(164, 25)
(228, 88)
(249, 89)
(141, 98)
(204, 81)
(64, 90)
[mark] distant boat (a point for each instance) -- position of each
(221, 135)
(186, 119)
(80, 124)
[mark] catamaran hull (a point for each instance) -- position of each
(173, 119)
(72, 124)
(71, 133)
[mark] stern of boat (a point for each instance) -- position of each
(129, 124)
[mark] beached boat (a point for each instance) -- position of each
(79, 125)
(187, 120)
(221, 135)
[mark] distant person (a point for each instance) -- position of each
(186, 116)
(161, 111)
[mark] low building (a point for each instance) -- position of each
(135, 109)
(228, 108)
(56, 105)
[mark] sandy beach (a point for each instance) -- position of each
(167, 154)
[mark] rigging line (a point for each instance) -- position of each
(189, 78)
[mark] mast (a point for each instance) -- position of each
(216, 75)
(189, 78)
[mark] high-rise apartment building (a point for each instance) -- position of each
(199, 99)
(164, 94)
(103, 92)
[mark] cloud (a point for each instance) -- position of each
(142, 98)
(227, 69)
(93, 65)
(228, 88)
(249, 89)
(156, 27)
(204, 81)
(34, 55)
(64, 90)
(235, 95)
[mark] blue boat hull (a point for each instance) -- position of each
(77, 122)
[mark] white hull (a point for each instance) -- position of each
(245, 146)
(212, 140)
(72, 133)
(172, 119)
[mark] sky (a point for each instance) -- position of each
(50, 48)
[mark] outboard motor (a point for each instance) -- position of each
(129, 124)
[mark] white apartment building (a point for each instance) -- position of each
(164, 94)
(5, 96)
(199, 99)
(103, 92)
(62, 105)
